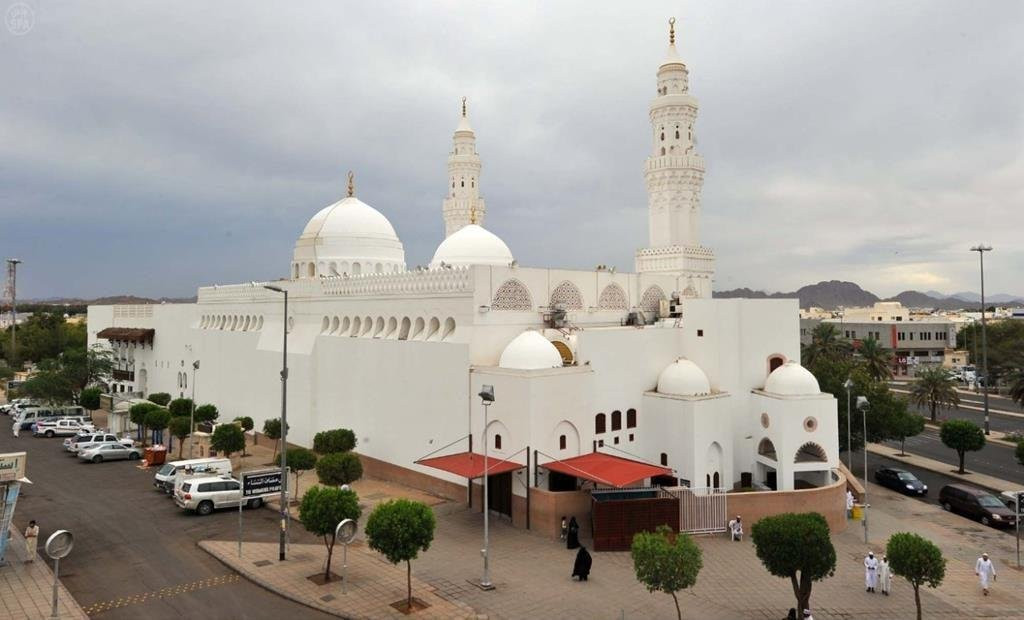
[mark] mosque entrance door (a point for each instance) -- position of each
(499, 493)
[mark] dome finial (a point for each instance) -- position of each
(472, 214)
(463, 107)
(672, 31)
(351, 184)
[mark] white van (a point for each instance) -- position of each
(28, 417)
(166, 477)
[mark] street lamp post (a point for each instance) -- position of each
(848, 384)
(486, 397)
(192, 416)
(12, 266)
(284, 422)
(981, 249)
(862, 405)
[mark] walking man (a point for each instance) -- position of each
(31, 540)
(870, 572)
(16, 428)
(884, 575)
(849, 504)
(985, 570)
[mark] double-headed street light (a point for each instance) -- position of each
(284, 422)
(486, 397)
(981, 249)
(863, 405)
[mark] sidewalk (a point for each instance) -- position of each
(989, 482)
(26, 589)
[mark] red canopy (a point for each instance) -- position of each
(470, 464)
(607, 469)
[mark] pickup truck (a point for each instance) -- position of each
(64, 427)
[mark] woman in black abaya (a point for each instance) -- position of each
(572, 541)
(581, 568)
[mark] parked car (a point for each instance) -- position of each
(28, 417)
(900, 480)
(204, 494)
(976, 504)
(166, 477)
(62, 427)
(90, 440)
(1011, 499)
(110, 452)
(12, 407)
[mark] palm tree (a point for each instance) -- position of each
(1016, 380)
(934, 388)
(877, 361)
(825, 343)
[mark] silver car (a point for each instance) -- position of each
(110, 452)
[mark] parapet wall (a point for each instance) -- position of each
(829, 500)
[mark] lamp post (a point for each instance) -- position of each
(849, 446)
(192, 416)
(284, 422)
(863, 405)
(486, 397)
(981, 249)
(12, 270)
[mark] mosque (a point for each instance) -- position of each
(601, 378)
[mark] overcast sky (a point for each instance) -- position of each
(153, 147)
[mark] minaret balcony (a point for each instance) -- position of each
(695, 162)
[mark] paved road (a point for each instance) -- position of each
(130, 541)
(933, 480)
(1004, 414)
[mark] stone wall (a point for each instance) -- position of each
(830, 501)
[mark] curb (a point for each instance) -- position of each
(975, 479)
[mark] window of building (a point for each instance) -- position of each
(631, 420)
(600, 443)
(677, 134)
(561, 442)
(599, 423)
(616, 442)
(616, 420)
(497, 442)
(662, 150)
(664, 459)
(911, 335)
(700, 333)
(631, 436)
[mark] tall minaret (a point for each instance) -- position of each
(463, 179)
(674, 174)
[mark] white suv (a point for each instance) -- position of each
(203, 494)
(91, 440)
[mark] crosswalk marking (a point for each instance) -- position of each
(162, 593)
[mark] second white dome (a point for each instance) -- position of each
(683, 378)
(530, 351)
(472, 245)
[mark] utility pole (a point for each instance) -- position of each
(12, 294)
(981, 249)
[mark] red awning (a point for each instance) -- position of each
(127, 334)
(470, 464)
(607, 469)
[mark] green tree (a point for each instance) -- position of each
(90, 398)
(83, 366)
(963, 436)
(180, 407)
(157, 419)
(876, 360)
(935, 389)
(49, 384)
(825, 344)
(666, 561)
(917, 560)
(300, 460)
(1016, 380)
(339, 468)
(246, 423)
(797, 546)
(320, 512)
(206, 413)
(1019, 452)
(180, 427)
(272, 429)
(400, 529)
(337, 440)
(227, 439)
(161, 398)
(907, 425)
(138, 413)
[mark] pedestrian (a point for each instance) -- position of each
(565, 527)
(736, 528)
(16, 428)
(884, 575)
(849, 504)
(807, 615)
(985, 569)
(31, 540)
(572, 538)
(870, 571)
(581, 567)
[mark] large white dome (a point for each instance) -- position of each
(530, 351)
(791, 379)
(472, 245)
(347, 237)
(683, 378)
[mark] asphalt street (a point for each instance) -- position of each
(1004, 415)
(133, 543)
(993, 460)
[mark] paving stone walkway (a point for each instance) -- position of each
(26, 588)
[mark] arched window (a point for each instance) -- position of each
(767, 449)
(774, 362)
(707, 481)
(497, 442)
(357, 268)
(512, 295)
(631, 418)
(662, 150)
(613, 298)
(567, 295)
(664, 459)
(561, 442)
(310, 269)
(677, 134)
(599, 421)
(810, 452)
(663, 136)
(616, 420)
(462, 183)
(718, 484)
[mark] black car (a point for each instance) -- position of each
(900, 480)
(976, 504)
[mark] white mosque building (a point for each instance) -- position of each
(644, 368)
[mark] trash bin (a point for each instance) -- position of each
(156, 455)
(857, 514)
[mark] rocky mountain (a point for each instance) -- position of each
(107, 301)
(836, 293)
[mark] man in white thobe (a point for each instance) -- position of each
(870, 571)
(884, 575)
(736, 528)
(985, 570)
(849, 504)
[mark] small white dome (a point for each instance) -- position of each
(472, 245)
(683, 378)
(791, 379)
(530, 351)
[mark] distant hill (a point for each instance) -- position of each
(108, 301)
(836, 293)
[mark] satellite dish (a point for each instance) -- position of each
(59, 544)
(346, 531)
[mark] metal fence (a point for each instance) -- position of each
(701, 510)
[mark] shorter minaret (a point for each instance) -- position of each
(463, 202)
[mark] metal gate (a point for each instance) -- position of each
(701, 510)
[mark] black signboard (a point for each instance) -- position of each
(261, 483)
